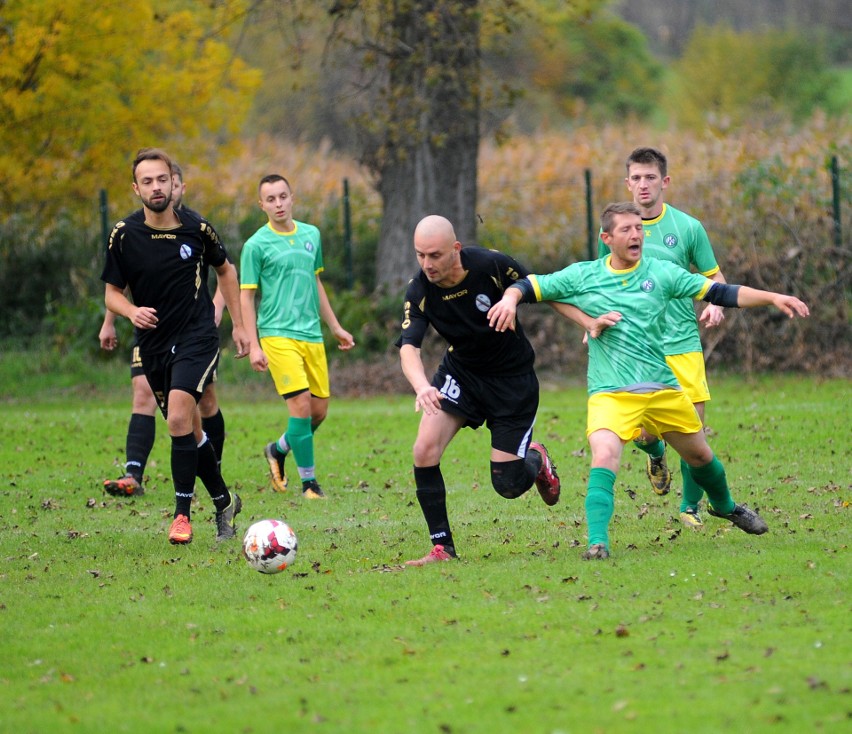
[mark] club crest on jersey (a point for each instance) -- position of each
(647, 285)
(309, 246)
(483, 302)
(185, 252)
(670, 241)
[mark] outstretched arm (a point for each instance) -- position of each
(741, 296)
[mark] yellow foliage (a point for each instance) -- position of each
(84, 85)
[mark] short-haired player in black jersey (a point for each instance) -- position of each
(162, 260)
(142, 427)
(485, 376)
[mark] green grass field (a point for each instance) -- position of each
(108, 628)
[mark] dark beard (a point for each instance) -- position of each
(160, 206)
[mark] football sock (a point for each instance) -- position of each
(214, 427)
(654, 447)
(599, 504)
(184, 466)
(711, 477)
(692, 493)
(511, 479)
(301, 441)
(432, 496)
(282, 445)
(208, 473)
(140, 440)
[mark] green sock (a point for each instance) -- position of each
(692, 493)
(711, 477)
(301, 441)
(599, 504)
(655, 447)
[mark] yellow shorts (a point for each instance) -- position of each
(626, 413)
(297, 365)
(690, 373)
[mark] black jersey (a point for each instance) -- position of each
(460, 315)
(166, 269)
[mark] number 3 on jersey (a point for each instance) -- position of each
(451, 389)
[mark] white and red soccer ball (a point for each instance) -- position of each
(270, 546)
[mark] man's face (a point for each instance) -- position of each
(646, 184)
(276, 200)
(437, 256)
(178, 190)
(625, 240)
(153, 185)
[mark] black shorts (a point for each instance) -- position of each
(506, 404)
(136, 361)
(189, 367)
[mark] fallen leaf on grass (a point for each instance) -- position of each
(622, 631)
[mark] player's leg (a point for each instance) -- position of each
(612, 420)
(690, 372)
(191, 372)
(433, 436)
(141, 432)
(511, 404)
(212, 420)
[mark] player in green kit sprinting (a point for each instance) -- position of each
(629, 382)
(283, 260)
(673, 235)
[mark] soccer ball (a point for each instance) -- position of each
(270, 546)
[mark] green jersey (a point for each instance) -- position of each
(679, 238)
(284, 265)
(626, 357)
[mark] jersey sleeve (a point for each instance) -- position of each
(703, 256)
(112, 272)
(685, 284)
(214, 250)
(318, 262)
(414, 320)
(249, 265)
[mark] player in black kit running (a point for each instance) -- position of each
(162, 259)
(485, 376)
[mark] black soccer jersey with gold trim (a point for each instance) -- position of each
(165, 269)
(460, 315)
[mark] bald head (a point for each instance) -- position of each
(437, 251)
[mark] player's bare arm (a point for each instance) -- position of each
(427, 398)
(345, 340)
(257, 358)
(230, 287)
(713, 315)
(142, 317)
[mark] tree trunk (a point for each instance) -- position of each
(428, 159)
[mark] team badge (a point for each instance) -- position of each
(483, 303)
(309, 246)
(185, 252)
(647, 285)
(670, 241)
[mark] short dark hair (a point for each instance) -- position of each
(177, 171)
(611, 210)
(273, 178)
(648, 156)
(152, 154)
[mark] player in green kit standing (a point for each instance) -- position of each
(673, 235)
(630, 384)
(283, 260)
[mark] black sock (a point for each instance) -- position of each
(432, 496)
(214, 427)
(208, 473)
(184, 466)
(140, 440)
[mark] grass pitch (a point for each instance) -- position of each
(107, 627)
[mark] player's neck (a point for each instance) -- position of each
(161, 220)
(285, 227)
(653, 211)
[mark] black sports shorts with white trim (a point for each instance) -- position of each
(507, 405)
(189, 367)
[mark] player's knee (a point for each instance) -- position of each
(510, 479)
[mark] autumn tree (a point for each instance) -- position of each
(83, 85)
